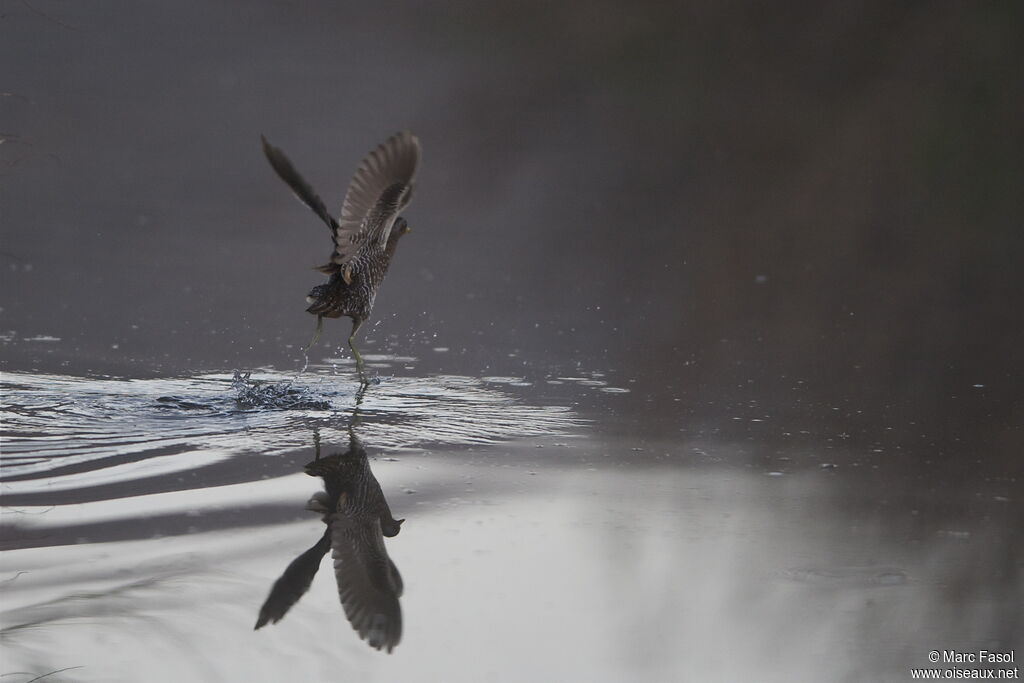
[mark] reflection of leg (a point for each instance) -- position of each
(355, 420)
(356, 323)
(316, 334)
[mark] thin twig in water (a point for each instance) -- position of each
(13, 577)
(17, 97)
(39, 678)
(16, 510)
(46, 16)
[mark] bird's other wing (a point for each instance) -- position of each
(380, 189)
(283, 166)
(294, 583)
(368, 581)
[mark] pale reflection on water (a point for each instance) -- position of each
(357, 518)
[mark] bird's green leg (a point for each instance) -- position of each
(316, 334)
(360, 393)
(355, 420)
(355, 352)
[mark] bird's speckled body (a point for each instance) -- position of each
(355, 299)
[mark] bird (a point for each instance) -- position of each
(358, 518)
(365, 234)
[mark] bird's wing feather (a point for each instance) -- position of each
(303, 190)
(380, 189)
(368, 582)
(294, 583)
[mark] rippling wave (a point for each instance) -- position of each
(74, 431)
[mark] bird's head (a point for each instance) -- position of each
(390, 526)
(400, 227)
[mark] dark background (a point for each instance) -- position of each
(805, 209)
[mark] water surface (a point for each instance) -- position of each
(155, 515)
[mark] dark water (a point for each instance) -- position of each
(702, 361)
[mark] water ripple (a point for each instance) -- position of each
(72, 429)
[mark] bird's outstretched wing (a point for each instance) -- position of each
(369, 584)
(380, 189)
(294, 583)
(283, 166)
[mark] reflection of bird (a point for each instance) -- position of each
(358, 518)
(366, 234)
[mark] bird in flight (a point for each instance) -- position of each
(366, 233)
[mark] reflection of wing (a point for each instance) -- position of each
(294, 583)
(299, 186)
(369, 584)
(381, 187)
